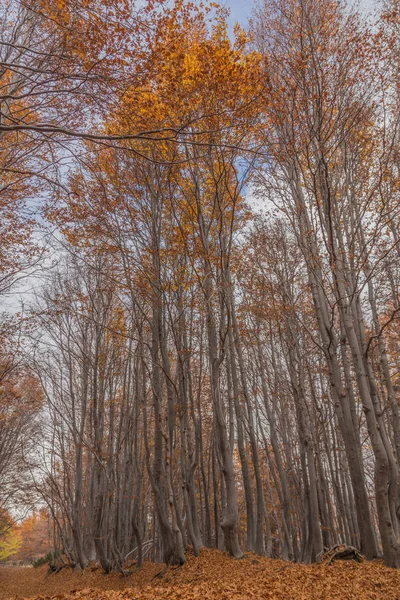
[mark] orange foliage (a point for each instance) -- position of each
(34, 537)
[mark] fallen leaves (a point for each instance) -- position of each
(212, 576)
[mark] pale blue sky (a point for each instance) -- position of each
(241, 9)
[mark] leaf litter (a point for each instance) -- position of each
(211, 576)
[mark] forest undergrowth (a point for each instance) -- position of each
(211, 576)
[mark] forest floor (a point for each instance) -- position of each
(212, 576)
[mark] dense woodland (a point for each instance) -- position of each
(205, 228)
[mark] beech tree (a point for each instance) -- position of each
(214, 358)
(326, 133)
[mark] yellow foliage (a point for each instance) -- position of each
(10, 542)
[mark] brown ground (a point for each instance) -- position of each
(212, 576)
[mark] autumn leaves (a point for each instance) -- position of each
(212, 377)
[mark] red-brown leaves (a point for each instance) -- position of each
(212, 576)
